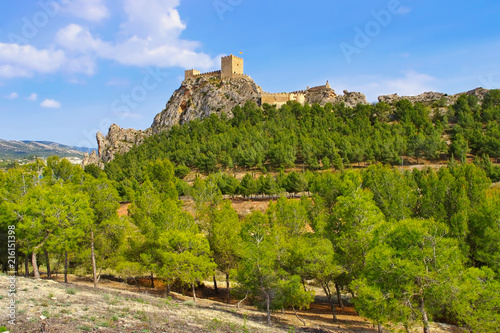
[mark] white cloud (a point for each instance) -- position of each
(150, 36)
(25, 60)
(92, 10)
(9, 71)
(77, 38)
(155, 19)
(413, 83)
(50, 103)
(12, 95)
(33, 97)
(404, 10)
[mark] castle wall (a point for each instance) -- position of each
(281, 98)
(191, 73)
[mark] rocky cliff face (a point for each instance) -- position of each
(196, 98)
(326, 95)
(118, 140)
(200, 97)
(351, 99)
(430, 97)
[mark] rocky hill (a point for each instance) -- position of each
(26, 149)
(197, 98)
(201, 96)
(428, 98)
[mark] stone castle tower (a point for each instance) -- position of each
(231, 65)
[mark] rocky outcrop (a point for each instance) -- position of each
(351, 99)
(320, 95)
(202, 96)
(429, 98)
(92, 158)
(117, 141)
(195, 99)
(328, 95)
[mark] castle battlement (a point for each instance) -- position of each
(232, 56)
(275, 94)
(231, 67)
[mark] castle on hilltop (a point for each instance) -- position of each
(232, 67)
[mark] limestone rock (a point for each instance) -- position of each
(430, 97)
(92, 158)
(320, 95)
(351, 99)
(200, 97)
(118, 141)
(327, 95)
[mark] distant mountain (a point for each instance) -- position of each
(84, 149)
(10, 149)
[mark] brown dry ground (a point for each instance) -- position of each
(120, 307)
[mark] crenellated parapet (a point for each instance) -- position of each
(276, 94)
(231, 67)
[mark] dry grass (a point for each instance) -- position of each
(119, 307)
(77, 307)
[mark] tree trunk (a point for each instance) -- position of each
(194, 292)
(152, 281)
(339, 296)
(47, 263)
(66, 267)
(268, 303)
(239, 303)
(228, 289)
(379, 328)
(296, 315)
(334, 312)
(92, 254)
(304, 284)
(26, 266)
(328, 294)
(425, 320)
(35, 266)
(215, 286)
(168, 287)
(137, 283)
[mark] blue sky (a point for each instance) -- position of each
(70, 68)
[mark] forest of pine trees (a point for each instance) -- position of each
(409, 246)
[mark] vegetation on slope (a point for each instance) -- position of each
(411, 246)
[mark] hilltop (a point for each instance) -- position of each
(203, 94)
(217, 92)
